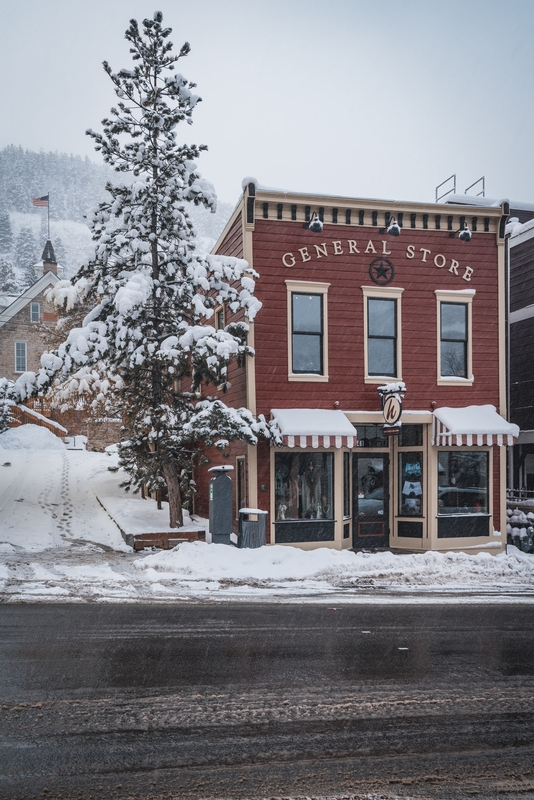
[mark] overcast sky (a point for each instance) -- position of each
(343, 97)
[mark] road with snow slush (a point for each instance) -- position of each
(256, 701)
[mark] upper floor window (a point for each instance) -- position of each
(382, 336)
(20, 356)
(307, 316)
(454, 339)
(382, 326)
(307, 327)
(454, 336)
(35, 312)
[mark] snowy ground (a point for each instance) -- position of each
(57, 543)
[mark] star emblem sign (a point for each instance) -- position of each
(381, 271)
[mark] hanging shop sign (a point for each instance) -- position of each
(391, 395)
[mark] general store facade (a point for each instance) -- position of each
(358, 294)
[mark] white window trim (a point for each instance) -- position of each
(21, 371)
(307, 287)
(35, 303)
(382, 293)
(465, 297)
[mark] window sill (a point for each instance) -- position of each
(456, 381)
(376, 379)
(309, 377)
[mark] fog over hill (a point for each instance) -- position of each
(75, 186)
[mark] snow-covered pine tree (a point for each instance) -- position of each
(8, 281)
(43, 225)
(6, 234)
(152, 296)
(61, 256)
(5, 404)
(26, 256)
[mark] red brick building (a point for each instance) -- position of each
(374, 292)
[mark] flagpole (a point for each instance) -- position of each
(48, 215)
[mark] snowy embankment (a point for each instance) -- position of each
(57, 543)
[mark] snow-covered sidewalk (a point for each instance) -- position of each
(57, 543)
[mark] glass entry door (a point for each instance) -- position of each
(370, 492)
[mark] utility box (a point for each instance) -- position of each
(252, 527)
(220, 504)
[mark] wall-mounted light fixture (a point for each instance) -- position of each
(316, 225)
(464, 233)
(393, 228)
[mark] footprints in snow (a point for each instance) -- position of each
(64, 516)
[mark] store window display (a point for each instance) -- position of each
(304, 486)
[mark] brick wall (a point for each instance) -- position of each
(21, 329)
(102, 433)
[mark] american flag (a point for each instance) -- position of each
(40, 201)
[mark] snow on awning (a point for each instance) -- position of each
(472, 425)
(314, 427)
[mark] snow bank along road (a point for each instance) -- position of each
(257, 701)
(57, 543)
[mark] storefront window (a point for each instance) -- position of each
(411, 484)
(304, 486)
(371, 436)
(411, 436)
(463, 483)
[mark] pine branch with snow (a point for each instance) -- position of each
(7, 401)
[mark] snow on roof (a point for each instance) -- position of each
(312, 422)
(277, 190)
(48, 279)
(515, 228)
(475, 420)
(7, 299)
(488, 202)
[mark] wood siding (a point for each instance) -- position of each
(522, 275)
(521, 374)
(347, 273)
(232, 244)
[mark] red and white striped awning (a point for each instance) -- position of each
(471, 425)
(314, 427)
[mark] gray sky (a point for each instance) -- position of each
(345, 97)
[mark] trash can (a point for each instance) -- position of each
(252, 531)
(220, 505)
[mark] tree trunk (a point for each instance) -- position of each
(170, 473)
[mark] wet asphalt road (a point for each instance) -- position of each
(237, 701)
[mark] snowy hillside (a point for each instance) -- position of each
(75, 186)
(75, 238)
(78, 244)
